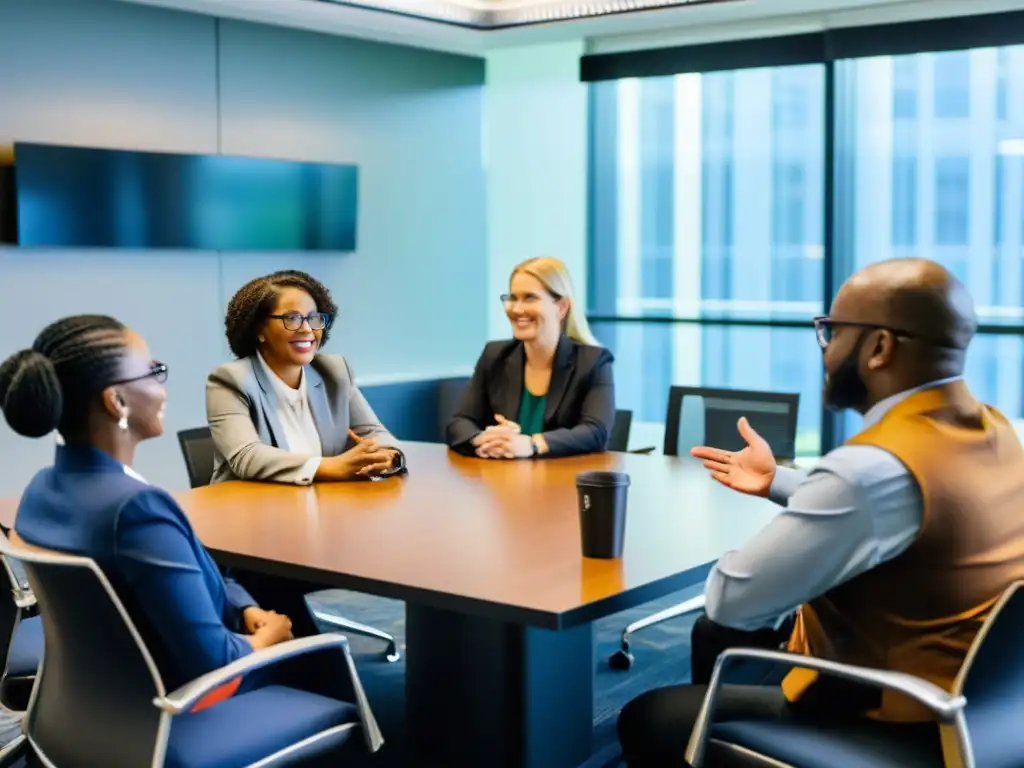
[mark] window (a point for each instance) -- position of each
(952, 195)
(998, 199)
(657, 200)
(788, 203)
(709, 202)
(904, 88)
(713, 187)
(1002, 82)
(715, 194)
(650, 357)
(951, 75)
(930, 191)
(904, 203)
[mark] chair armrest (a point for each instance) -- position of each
(188, 695)
(946, 706)
(14, 753)
(648, 449)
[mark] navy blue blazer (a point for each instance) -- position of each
(188, 615)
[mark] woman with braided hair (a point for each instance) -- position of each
(93, 381)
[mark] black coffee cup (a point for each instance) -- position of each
(602, 505)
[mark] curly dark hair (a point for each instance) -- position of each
(52, 385)
(255, 300)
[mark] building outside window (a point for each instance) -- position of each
(710, 190)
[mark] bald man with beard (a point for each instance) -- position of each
(889, 554)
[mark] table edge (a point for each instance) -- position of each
(472, 606)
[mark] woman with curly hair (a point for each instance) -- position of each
(283, 411)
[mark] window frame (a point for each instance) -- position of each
(961, 33)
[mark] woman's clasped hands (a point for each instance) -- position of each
(503, 440)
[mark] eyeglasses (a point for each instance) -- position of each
(529, 299)
(824, 325)
(293, 320)
(157, 370)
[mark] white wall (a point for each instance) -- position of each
(98, 73)
(535, 145)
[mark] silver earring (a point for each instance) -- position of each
(122, 423)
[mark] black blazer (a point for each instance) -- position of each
(580, 402)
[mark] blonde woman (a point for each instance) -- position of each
(546, 392)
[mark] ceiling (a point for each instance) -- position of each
(491, 15)
(478, 26)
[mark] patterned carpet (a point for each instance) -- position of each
(662, 657)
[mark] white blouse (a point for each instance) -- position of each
(296, 418)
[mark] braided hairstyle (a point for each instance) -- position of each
(52, 385)
(255, 300)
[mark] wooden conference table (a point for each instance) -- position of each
(500, 604)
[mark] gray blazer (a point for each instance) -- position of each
(241, 408)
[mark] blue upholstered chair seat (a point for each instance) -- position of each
(252, 726)
(864, 745)
(26, 648)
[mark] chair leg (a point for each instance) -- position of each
(390, 653)
(622, 659)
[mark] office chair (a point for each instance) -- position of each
(449, 392)
(100, 699)
(197, 450)
(21, 631)
(979, 720)
(12, 755)
(619, 438)
(703, 416)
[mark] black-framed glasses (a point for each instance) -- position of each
(824, 325)
(293, 320)
(157, 370)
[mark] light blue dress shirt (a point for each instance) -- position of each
(857, 508)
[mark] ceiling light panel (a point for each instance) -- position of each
(498, 14)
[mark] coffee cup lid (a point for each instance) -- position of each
(602, 479)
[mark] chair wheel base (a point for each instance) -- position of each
(621, 660)
(391, 654)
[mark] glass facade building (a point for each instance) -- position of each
(727, 206)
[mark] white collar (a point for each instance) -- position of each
(59, 440)
(132, 473)
(882, 407)
(282, 390)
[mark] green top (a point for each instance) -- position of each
(531, 412)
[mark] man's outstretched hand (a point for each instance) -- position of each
(750, 470)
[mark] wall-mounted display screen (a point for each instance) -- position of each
(101, 198)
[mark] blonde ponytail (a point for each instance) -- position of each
(554, 276)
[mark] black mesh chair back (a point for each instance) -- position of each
(95, 672)
(197, 450)
(703, 416)
(619, 439)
